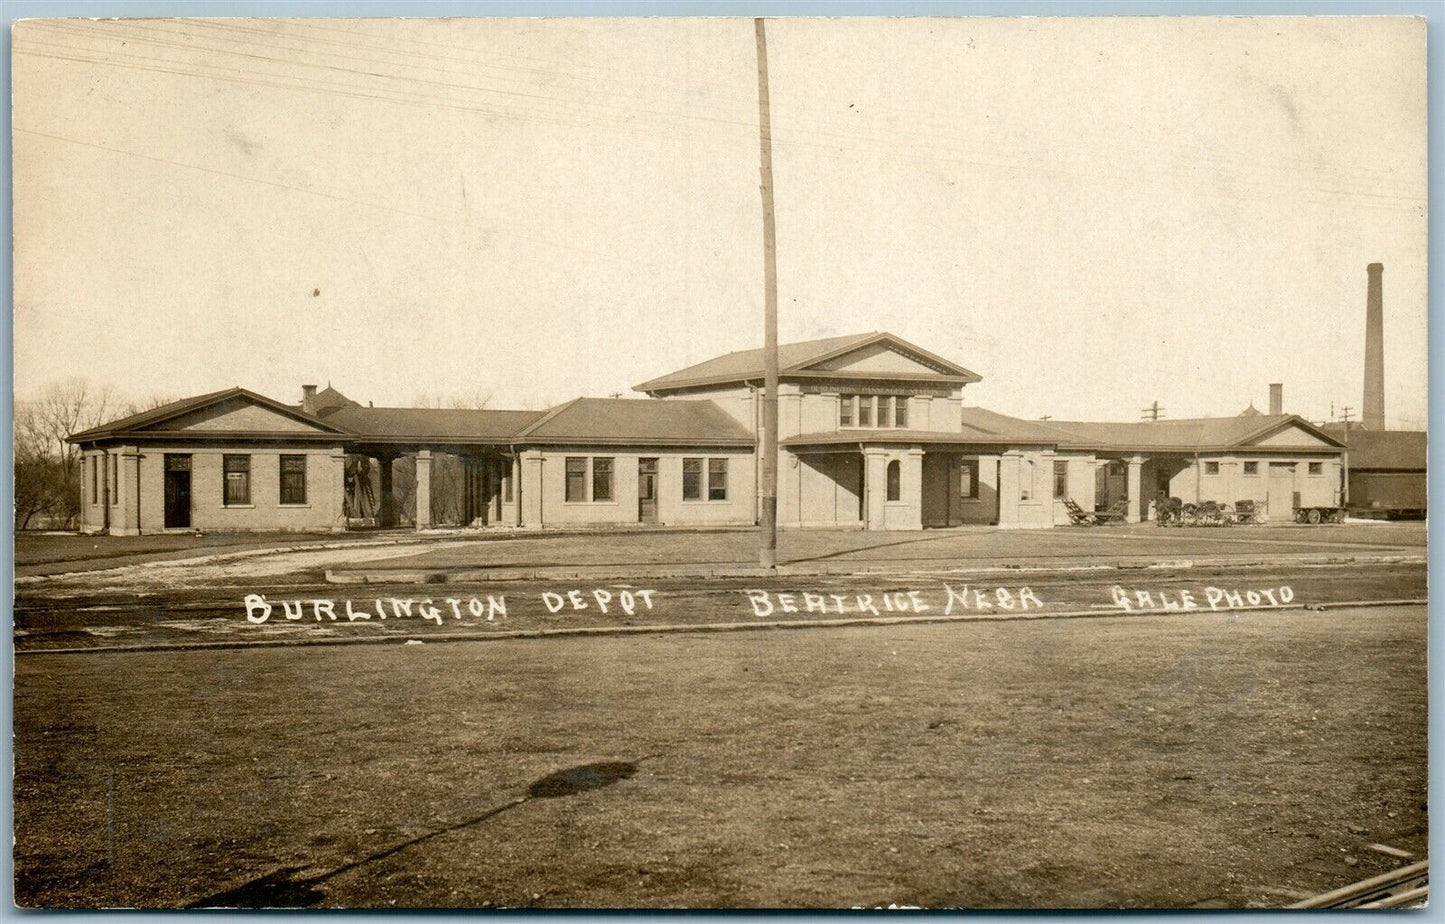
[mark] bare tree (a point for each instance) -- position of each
(47, 468)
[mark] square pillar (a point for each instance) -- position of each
(517, 496)
(423, 488)
(1135, 495)
(875, 488)
(1008, 489)
(911, 489)
(126, 519)
(336, 489)
(531, 484)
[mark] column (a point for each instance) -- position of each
(388, 497)
(875, 487)
(423, 488)
(531, 484)
(1008, 489)
(126, 521)
(336, 490)
(517, 489)
(1135, 494)
(912, 488)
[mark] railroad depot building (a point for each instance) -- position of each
(873, 433)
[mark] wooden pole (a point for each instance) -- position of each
(768, 475)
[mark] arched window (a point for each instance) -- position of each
(895, 480)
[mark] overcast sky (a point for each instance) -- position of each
(1091, 214)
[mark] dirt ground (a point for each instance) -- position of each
(1226, 760)
(39, 555)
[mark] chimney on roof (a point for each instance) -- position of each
(308, 399)
(1276, 398)
(1373, 416)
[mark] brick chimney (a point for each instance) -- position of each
(1373, 416)
(308, 399)
(1276, 398)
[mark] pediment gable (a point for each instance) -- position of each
(881, 358)
(235, 415)
(1291, 437)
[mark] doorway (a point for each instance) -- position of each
(178, 491)
(1281, 498)
(647, 490)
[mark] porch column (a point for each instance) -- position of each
(875, 487)
(423, 488)
(126, 521)
(911, 486)
(1136, 499)
(337, 489)
(1008, 489)
(531, 484)
(388, 497)
(516, 463)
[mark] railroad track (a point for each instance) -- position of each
(1405, 887)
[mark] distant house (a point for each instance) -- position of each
(873, 434)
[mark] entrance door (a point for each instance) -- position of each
(1281, 491)
(940, 476)
(178, 492)
(647, 490)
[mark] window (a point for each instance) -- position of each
(885, 412)
(114, 480)
(692, 479)
(1026, 480)
(602, 479)
(900, 412)
(94, 480)
(293, 479)
(506, 481)
(238, 480)
(968, 478)
(1061, 480)
(1317, 468)
(576, 491)
(1251, 468)
(845, 410)
(895, 480)
(717, 479)
(1211, 468)
(865, 410)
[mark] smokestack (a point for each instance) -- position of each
(1276, 398)
(1374, 406)
(308, 399)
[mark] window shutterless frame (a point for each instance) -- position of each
(293, 480)
(236, 480)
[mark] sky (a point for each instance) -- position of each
(1092, 214)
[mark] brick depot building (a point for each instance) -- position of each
(873, 433)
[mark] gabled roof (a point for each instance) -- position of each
(1200, 434)
(437, 425)
(606, 421)
(1384, 450)
(794, 359)
(157, 415)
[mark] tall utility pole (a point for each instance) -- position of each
(768, 515)
(1152, 412)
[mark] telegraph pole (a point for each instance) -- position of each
(768, 515)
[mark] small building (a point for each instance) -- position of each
(1387, 471)
(874, 433)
